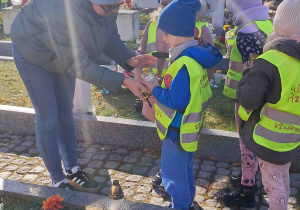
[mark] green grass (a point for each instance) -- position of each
(144, 19)
(220, 114)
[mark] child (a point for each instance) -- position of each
(252, 29)
(271, 90)
(182, 99)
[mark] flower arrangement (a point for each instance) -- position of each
(226, 27)
(128, 3)
(53, 203)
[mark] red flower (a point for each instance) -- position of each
(129, 4)
(53, 203)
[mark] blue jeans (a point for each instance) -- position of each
(177, 169)
(52, 98)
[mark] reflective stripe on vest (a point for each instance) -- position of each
(279, 125)
(151, 48)
(231, 37)
(235, 71)
(194, 113)
(244, 113)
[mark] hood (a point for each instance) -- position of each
(290, 47)
(206, 55)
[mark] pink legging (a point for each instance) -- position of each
(275, 179)
(249, 160)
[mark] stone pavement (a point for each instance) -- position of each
(19, 160)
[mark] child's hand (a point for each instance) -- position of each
(148, 85)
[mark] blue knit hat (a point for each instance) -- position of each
(179, 17)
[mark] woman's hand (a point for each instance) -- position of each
(148, 85)
(136, 87)
(141, 60)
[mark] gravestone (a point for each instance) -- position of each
(8, 16)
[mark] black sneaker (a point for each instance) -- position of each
(235, 182)
(66, 186)
(82, 181)
(156, 181)
(243, 197)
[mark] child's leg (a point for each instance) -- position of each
(191, 175)
(274, 179)
(174, 161)
(249, 160)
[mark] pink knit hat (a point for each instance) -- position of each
(287, 19)
(235, 6)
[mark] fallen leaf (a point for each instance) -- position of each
(102, 148)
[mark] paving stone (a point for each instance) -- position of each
(292, 200)
(121, 151)
(208, 163)
(95, 164)
(221, 178)
(5, 174)
(46, 173)
(128, 192)
(80, 149)
(158, 161)
(144, 163)
(222, 171)
(202, 182)
(136, 154)
(33, 151)
(7, 159)
(148, 181)
(27, 143)
(15, 137)
(199, 199)
(4, 149)
(109, 147)
(5, 140)
(119, 176)
(111, 165)
(147, 159)
(4, 135)
(151, 155)
(134, 178)
(15, 177)
(25, 155)
(294, 176)
(23, 170)
(37, 170)
(1, 156)
(213, 203)
(130, 159)
(82, 161)
(235, 168)
(235, 173)
(89, 171)
(144, 188)
(208, 168)
(197, 160)
(92, 150)
(15, 141)
(31, 163)
(115, 157)
(11, 146)
(129, 184)
(104, 172)
(156, 168)
(20, 148)
(126, 167)
(105, 190)
(156, 201)
(219, 186)
(222, 165)
(2, 165)
(87, 155)
(11, 167)
(100, 179)
(204, 174)
(44, 180)
(216, 193)
(140, 170)
(293, 191)
(30, 177)
(140, 197)
(295, 183)
(152, 173)
(100, 157)
(196, 166)
(200, 190)
(29, 138)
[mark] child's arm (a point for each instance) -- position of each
(178, 96)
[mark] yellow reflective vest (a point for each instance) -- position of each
(231, 37)
(194, 113)
(199, 25)
(152, 48)
(4, 1)
(236, 66)
(279, 125)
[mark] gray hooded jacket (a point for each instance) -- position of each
(68, 36)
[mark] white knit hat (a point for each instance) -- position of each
(287, 18)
